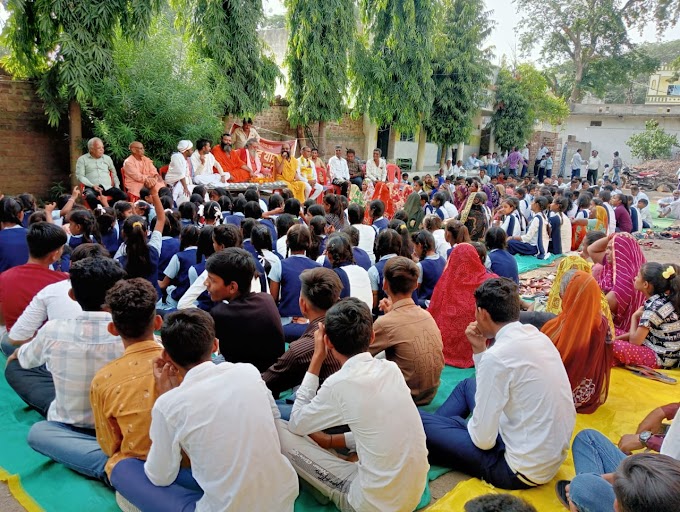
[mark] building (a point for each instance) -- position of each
(664, 87)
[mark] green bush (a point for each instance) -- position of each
(653, 143)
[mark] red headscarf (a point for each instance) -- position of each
(453, 302)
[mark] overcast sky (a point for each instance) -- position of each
(503, 37)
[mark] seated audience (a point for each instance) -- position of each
(20, 284)
(622, 213)
(355, 280)
(367, 234)
(136, 169)
(202, 406)
(320, 289)
(248, 325)
(408, 335)
(368, 395)
(388, 245)
(503, 264)
(433, 224)
(654, 337)
(560, 226)
(535, 241)
(520, 399)
(430, 266)
(452, 305)
(73, 351)
(13, 246)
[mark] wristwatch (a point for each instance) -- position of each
(644, 437)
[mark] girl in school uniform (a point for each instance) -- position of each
(317, 227)
(212, 214)
(13, 245)
(138, 254)
(455, 233)
(367, 234)
(376, 210)
(83, 227)
(438, 201)
(560, 226)
(433, 224)
(170, 239)
(123, 210)
(176, 274)
(503, 263)
(355, 280)
(430, 266)
(513, 222)
(108, 228)
(261, 240)
(579, 224)
(635, 216)
(535, 241)
(284, 279)
(188, 214)
(388, 245)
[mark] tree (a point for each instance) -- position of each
(585, 32)
(522, 99)
(461, 71)
(158, 93)
(653, 143)
(319, 39)
(67, 47)
(392, 64)
(225, 31)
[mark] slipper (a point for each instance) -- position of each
(650, 373)
(561, 491)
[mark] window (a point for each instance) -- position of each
(674, 90)
(407, 137)
(595, 123)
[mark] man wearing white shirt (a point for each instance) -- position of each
(576, 164)
(371, 397)
(637, 194)
(539, 156)
(522, 407)
(448, 168)
(339, 170)
(459, 170)
(376, 168)
(203, 162)
(525, 158)
(594, 164)
(179, 172)
(606, 196)
(223, 417)
(472, 162)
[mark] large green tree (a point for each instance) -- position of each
(67, 47)
(392, 64)
(461, 69)
(319, 39)
(225, 31)
(590, 33)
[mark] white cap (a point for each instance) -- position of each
(184, 145)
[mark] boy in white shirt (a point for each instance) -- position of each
(372, 398)
(645, 214)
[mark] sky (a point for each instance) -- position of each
(504, 38)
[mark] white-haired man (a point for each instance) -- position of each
(180, 172)
(95, 171)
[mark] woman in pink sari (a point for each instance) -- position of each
(621, 263)
(453, 302)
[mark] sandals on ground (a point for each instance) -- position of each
(561, 491)
(650, 373)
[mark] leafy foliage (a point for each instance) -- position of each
(392, 62)
(68, 46)
(320, 36)
(158, 92)
(225, 31)
(653, 143)
(461, 71)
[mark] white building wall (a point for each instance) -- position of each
(404, 149)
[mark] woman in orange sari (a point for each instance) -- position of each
(453, 302)
(582, 336)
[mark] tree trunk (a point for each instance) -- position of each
(75, 129)
(578, 78)
(300, 134)
(442, 158)
(420, 158)
(322, 138)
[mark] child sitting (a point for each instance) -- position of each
(83, 228)
(645, 214)
(387, 246)
(560, 226)
(503, 263)
(376, 210)
(430, 266)
(513, 223)
(176, 274)
(654, 334)
(108, 228)
(433, 224)
(456, 233)
(535, 241)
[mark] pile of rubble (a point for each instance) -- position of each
(668, 170)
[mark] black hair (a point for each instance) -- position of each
(406, 243)
(233, 264)
(239, 204)
(299, 238)
(85, 219)
(563, 204)
(593, 236)
(401, 215)
(213, 211)
(144, 192)
(188, 336)
(584, 199)
(605, 195)
(225, 203)
(62, 200)
(172, 226)
(481, 251)
(652, 272)
(458, 232)
(334, 206)
(643, 201)
(321, 287)
(287, 194)
(283, 223)
(106, 220)
(275, 201)
(38, 216)
(292, 207)
(89, 251)
(247, 227)
(496, 238)
(376, 209)
(316, 210)
(493, 502)
(188, 211)
(165, 192)
(401, 274)
(317, 228)
(201, 143)
(624, 201)
(500, 298)
(388, 242)
(251, 194)
(138, 262)
(132, 304)
(27, 202)
(43, 238)
(512, 201)
(440, 197)
(648, 482)
(339, 249)
(353, 234)
(261, 239)
(166, 202)
(188, 237)
(355, 213)
(253, 210)
(425, 239)
(196, 199)
(201, 191)
(228, 235)
(205, 246)
(91, 279)
(349, 326)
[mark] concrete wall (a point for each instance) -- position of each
(34, 155)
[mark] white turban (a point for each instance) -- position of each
(184, 145)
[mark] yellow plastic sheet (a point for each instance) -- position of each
(630, 399)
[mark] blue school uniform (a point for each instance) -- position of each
(13, 247)
(169, 247)
(203, 302)
(290, 284)
(248, 246)
(111, 241)
(431, 270)
(555, 244)
(27, 217)
(186, 259)
(428, 209)
(535, 246)
(361, 258)
(504, 264)
(152, 277)
(635, 219)
(234, 219)
(271, 228)
(380, 224)
(76, 240)
(441, 213)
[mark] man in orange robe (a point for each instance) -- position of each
(230, 161)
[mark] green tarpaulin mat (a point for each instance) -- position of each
(46, 485)
(527, 263)
(659, 223)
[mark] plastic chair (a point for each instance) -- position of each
(393, 173)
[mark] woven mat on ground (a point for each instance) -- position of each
(41, 484)
(527, 263)
(630, 399)
(659, 223)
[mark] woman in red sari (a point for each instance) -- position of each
(453, 302)
(581, 334)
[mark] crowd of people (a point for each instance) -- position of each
(375, 286)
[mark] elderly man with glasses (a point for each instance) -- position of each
(137, 168)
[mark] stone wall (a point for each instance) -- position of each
(34, 156)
